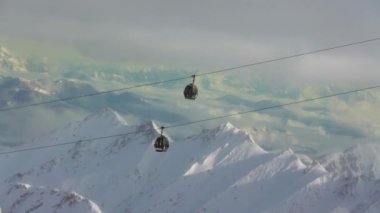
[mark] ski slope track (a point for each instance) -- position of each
(219, 170)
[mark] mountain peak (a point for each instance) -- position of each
(149, 127)
(225, 130)
(107, 115)
(229, 129)
(227, 126)
(356, 161)
(105, 122)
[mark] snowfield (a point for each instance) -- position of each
(219, 170)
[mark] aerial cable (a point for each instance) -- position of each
(90, 94)
(192, 76)
(87, 140)
(96, 139)
(291, 56)
(274, 106)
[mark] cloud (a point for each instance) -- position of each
(338, 68)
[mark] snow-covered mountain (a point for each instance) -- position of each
(219, 170)
(25, 198)
(18, 91)
(351, 184)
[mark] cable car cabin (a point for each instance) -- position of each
(191, 91)
(161, 144)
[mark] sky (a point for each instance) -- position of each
(209, 35)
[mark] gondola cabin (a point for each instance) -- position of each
(161, 144)
(191, 90)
